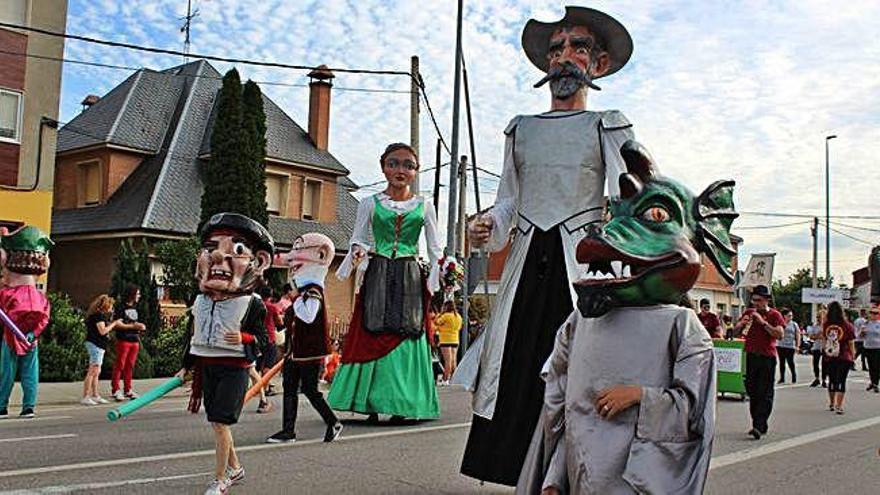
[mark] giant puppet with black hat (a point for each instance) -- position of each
(227, 329)
(557, 165)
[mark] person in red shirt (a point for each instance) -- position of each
(761, 325)
(839, 349)
(710, 320)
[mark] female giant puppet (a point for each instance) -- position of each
(386, 359)
(630, 399)
(555, 167)
(24, 256)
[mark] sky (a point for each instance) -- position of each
(715, 90)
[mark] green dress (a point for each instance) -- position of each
(401, 382)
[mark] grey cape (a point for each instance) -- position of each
(663, 445)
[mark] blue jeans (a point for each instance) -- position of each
(11, 365)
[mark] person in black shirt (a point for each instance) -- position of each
(127, 343)
(98, 326)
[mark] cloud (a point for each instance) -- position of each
(745, 90)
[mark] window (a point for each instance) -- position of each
(275, 194)
(91, 183)
(10, 116)
(311, 200)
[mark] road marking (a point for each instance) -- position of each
(248, 448)
(44, 437)
(771, 448)
(99, 486)
(10, 420)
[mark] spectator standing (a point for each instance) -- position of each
(273, 321)
(871, 340)
(762, 326)
(727, 323)
(99, 323)
(859, 325)
(814, 331)
(127, 343)
(288, 294)
(710, 320)
(839, 348)
(787, 346)
(448, 325)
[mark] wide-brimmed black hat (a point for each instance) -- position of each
(762, 291)
(613, 36)
(251, 229)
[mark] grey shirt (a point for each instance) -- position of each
(789, 335)
(663, 444)
(871, 335)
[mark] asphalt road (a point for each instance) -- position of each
(163, 449)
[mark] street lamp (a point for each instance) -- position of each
(827, 215)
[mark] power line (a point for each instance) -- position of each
(383, 181)
(420, 82)
(855, 227)
(799, 215)
(777, 226)
(849, 236)
(204, 76)
(178, 53)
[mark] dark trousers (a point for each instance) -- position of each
(818, 359)
(873, 365)
(760, 373)
(786, 356)
(305, 375)
(860, 351)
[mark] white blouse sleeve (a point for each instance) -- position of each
(504, 210)
(360, 236)
(432, 241)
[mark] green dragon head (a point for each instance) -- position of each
(26, 251)
(648, 252)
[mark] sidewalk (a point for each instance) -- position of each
(52, 394)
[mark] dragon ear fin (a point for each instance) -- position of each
(714, 213)
(638, 161)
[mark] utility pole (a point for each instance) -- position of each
(452, 229)
(462, 247)
(415, 78)
(828, 215)
(439, 160)
(814, 230)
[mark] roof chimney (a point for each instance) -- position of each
(88, 101)
(319, 106)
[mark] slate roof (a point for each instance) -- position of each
(285, 140)
(167, 115)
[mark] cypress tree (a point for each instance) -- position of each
(254, 132)
(235, 177)
(225, 174)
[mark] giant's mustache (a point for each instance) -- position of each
(568, 69)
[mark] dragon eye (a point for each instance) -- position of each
(239, 248)
(656, 214)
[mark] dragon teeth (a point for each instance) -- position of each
(627, 272)
(617, 268)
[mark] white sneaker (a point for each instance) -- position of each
(87, 401)
(132, 395)
(218, 487)
(100, 400)
(234, 475)
(118, 396)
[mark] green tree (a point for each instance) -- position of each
(234, 178)
(178, 259)
(63, 356)
(788, 294)
(253, 126)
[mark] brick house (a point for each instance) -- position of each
(128, 167)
